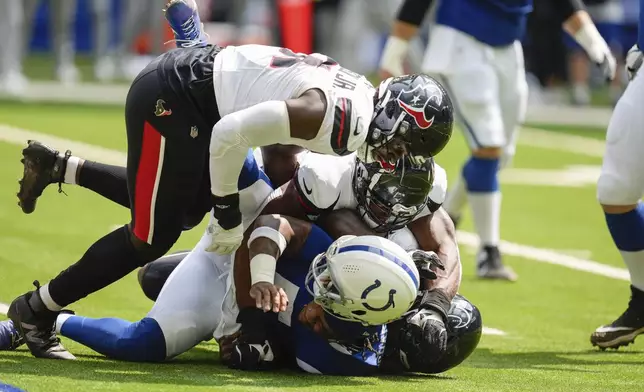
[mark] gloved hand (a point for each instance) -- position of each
(393, 56)
(607, 65)
(226, 230)
(423, 337)
(425, 261)
(251, 350)
(634, 60)
(223, 241)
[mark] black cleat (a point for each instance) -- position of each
(489, 265)
(41, 166)
(625, 329)
(36, 323)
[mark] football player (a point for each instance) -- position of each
(619, 190)
(188, 115)
(482, 68)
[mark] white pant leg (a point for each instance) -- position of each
(622, 177)
(189, 306)
(513, 95)
(466, 69)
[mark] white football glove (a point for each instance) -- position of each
(393, 56)
(634, 60)
(224, 241)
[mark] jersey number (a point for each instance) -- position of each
(291, 58)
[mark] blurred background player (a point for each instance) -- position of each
(608, 16)
(16, 27)
(619, 190)
(482, 69)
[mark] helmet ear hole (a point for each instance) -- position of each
(359, 312)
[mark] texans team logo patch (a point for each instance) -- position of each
(414, 102)
(160, 110)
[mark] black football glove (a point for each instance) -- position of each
(424, 261)
(252, 349)
(423, 338)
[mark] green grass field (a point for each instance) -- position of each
(547, 316)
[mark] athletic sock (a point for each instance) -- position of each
(108, 260)
(71, 169)
(116, 338)
(485, 198)
(456, 199)
(107, 180)
(627, 231)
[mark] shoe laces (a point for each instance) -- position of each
(189, 28)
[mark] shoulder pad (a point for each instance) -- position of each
(318, 181)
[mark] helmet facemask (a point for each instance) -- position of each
(390, 197)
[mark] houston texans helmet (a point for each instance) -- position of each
(390, 196)
(413, 115)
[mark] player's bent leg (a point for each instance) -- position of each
(43, 166)
(153, 276)
(188, 308)
(163, 179)
(619, 190)
(141, 341)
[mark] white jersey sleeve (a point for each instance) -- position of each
(247, 75)
(324, 183)
(437, 194)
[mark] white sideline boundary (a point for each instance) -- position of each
(19, 136)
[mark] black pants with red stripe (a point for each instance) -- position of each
(167, 179)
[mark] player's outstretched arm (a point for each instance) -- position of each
(409, 18)
(436, 233)
(264, 124)
(254, 270)
(580, 26)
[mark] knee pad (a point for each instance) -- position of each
(150, 252)
(153, 275)
(143, 341)
(612, 190)
(481, 175)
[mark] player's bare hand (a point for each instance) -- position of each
(267, 296)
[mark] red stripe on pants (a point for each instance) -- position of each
(146, 176)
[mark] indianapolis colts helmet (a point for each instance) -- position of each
(413, 115)
(389, 197)
(366, 279)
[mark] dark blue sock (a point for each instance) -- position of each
(627, 229)
(142, 341)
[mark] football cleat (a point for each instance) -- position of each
(35, 324)
(183, 17)
(42, 166)
(10, 338)
(490, 266)
(625, 329)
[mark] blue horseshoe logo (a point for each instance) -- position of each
(369, 289)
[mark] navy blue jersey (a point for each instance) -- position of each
(640, 36)
(312, 352)
(493, 22)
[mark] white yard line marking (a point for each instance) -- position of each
(493, 332)
(19, 136)
(561, 142)
(573, 176)
(550, 257)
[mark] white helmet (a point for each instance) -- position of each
(367, 279)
